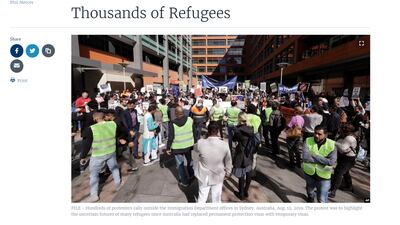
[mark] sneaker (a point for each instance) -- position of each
(155, 160)
(92, 198)
(183, 185)
(161, 145)
(148, 163)
(133, 169)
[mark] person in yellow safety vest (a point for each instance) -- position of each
(165, 119)
(265, 114)
(255, 121)
(232, 114)
(180, 144)
(101, 138)
(319, 156)
(217, 114)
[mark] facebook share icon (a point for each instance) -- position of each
(16, 50)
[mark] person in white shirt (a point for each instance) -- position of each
(214, 165)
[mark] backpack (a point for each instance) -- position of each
(279, 122)
(358, 143)
(251, 145)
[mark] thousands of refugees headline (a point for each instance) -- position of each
(163, 12)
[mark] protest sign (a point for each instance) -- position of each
(303, 87)
(356, 92)
(274, 87)
(223, 89)
(149, 87)
(263, 86)
(103, 88)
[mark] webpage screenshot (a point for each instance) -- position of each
(197, 111)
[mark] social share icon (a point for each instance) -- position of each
(12, 79)
(16, 50)
(16, 66)
(32, 50)
(48, 50)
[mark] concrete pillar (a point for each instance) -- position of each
(180, 68)
(166, 64)
(189, 47)
(75, 45)
(138, 54)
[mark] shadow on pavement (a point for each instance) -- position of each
(191, 192)
(280, 190)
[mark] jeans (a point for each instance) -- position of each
(321, 185)
(136, 144)
(231, 129)
(199, 128)
(127, 153)
(204, 189)
(180, 165)
(95, 166)
(164, 131)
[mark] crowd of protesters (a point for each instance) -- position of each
(322, 136)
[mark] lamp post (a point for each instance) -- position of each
(282, 65)
(123, 64)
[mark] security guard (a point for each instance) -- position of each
(101, 138)
(165, 119)
(266, 113)
(180, 144)
(319, 156)
(217, 114)
(232, 114)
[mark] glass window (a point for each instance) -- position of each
(199, 60)
(201, 69)
(216, 51)
(199, 43)
(213, 60)
(199, 51)
(235, 51)
(216, 42)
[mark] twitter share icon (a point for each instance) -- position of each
(32, 50)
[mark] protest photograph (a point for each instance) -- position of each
(220, 118)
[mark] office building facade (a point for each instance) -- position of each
(131, 61)
(218, 56)
(331, 63)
